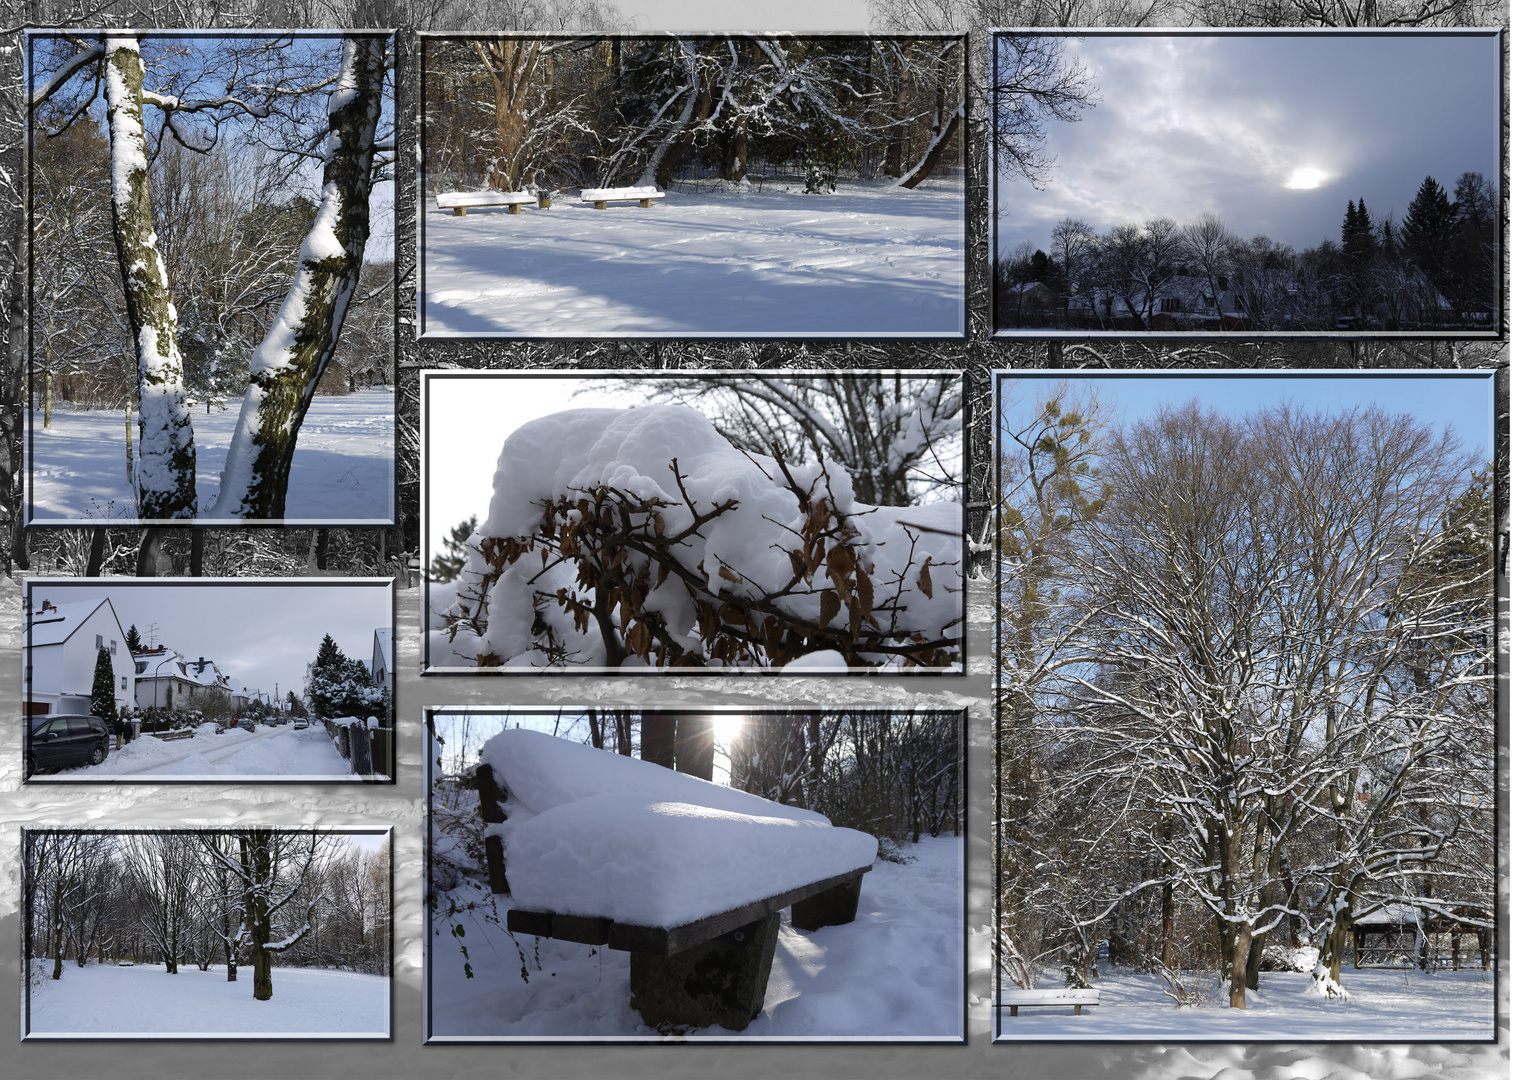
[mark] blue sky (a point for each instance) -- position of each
(1464, 401)
(1274, 133)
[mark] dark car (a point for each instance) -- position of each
(61, 742)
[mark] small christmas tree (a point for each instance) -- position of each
(103, 693)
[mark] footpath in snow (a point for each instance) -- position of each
(342, 471)
(895, 973)
(146, 1001)
(264, 752)
(871, 259)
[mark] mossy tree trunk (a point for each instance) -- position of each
(166, 472)
(288, 363)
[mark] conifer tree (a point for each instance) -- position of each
(103, 694)
(134, 642)
(1428, 230)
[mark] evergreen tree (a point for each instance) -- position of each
(329, 655)
(1357, 231)
(447, 565)
(103, 693)
(134, 642)
(294, 706)
(1428, 229)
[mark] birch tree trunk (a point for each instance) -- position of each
(287, 365)
(166, 465)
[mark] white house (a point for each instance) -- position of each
(62, 642)
(167, 680)
(381, 658)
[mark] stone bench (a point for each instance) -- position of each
(1077, 997)
(713, 969)
(602, 197)
(460, 201)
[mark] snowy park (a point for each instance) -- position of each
(755, 185)
(1246, 721)
(342, 469)
(647, 534)
(210, 235)
(251, 932)
(596, 854)
(870, 259)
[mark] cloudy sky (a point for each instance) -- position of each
(1273, 133)
(260, 632)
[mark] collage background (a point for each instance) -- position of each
(401, 806)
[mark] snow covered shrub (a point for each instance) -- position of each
(1289, 958)
(642, 537)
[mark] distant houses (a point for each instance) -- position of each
(63, 641)
(168, 680)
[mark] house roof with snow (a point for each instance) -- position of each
(382, 641)
(53, 624)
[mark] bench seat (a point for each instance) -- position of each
(602, 197)
(1075, 997)
(460, 201)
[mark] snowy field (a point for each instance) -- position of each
(1449, 1006)
(264, 752)
(342, 471)
(871, 259)
(144, 1000)
(894, 973)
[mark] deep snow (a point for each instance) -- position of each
(600, 835)
(894, 973)
(342, 471)
(264, 752)
(1449, 1006)
(144, 1000)
(870, 260)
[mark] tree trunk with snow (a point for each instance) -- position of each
(287, 365)
(166, 473)
(947, 134)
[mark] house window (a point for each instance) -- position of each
(113, 646)
(100, 642)
(124, 682)
(1171, 303)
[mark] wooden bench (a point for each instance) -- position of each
(1076, 998)
(713, 970)
(603, 197)
(460, 201)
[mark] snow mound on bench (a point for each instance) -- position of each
(599, 835)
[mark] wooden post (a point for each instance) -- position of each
(831, 907)
(344, 741)
(694, 747)
(489, 796)
(720, 982)
(360, 749)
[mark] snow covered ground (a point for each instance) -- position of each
(1449, 1006)
(264, 752)
(342, 472)
(144, 1000)
(871, 259)
(894, 973)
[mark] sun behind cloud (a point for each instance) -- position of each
(1306, 177)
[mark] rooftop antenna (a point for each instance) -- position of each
(153, 629)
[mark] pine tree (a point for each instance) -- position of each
(329, 655)
(1357, 231)
(103, 693)
(446, 566)
(1428, 229)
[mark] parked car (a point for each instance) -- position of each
(62, 742)
(300, 725)
(245, 722)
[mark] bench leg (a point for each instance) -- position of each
(1078, 1011)
(514, 208)
(834, 907)
(1012, 1010)
(720, 982)
(600, 205)
(459, 211)
(644, 203)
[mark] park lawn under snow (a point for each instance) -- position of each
(280, 751)
(870, 259)
(895, 973)
(1386, 1004)
(144, 1000)
(342, 471)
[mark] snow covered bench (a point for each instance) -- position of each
(1076, 997)
(687, 876)
(460, 201)
(602, 197)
